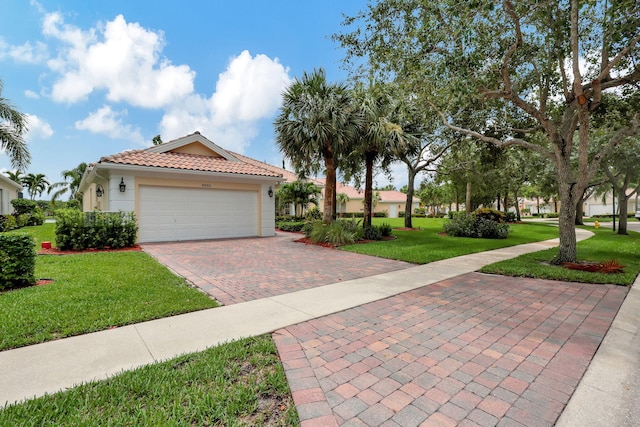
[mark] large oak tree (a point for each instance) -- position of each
(541, 63)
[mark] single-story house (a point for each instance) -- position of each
(391, 202)
(185, 189)
(9, 190)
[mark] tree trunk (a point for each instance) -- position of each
(368, 189)
(330, 187)
(468, 198)
(498, 200)
(622, 211)
(517, 206)
(580, 212)
(538, 204)
(506, 201)
(408, 207)
(569, 196)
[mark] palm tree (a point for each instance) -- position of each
(16, 176)
(36, 184)
(342, 199)
(300, 193)
(13, 125)
(315, 126)
(71, 183)
(380, 135)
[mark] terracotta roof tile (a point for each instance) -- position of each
(184, 161)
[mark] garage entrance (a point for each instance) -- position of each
(174, 214)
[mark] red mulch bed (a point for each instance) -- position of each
(609, 267)
(408, 229)
(56, 251)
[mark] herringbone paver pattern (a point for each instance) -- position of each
(239, 270)
(475, 350)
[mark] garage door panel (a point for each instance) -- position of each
(169, 214)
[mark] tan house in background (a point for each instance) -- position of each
(389, 201)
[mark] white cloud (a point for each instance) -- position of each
(122, 58)
(31, 94)
(105, 121)
(248, 91)
(38, 128)
(28, 53)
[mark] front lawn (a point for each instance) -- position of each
(428, 244)
(239, 383)
(605, 245)
(40, 233)
(93, 292)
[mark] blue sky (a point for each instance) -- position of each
(100, 77)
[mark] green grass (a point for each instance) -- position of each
(426, 245)
(605, 245)
(93, 292)
(41, 233)
(239, 383)
(607, 220)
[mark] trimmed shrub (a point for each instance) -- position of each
(490, 214)
(372, 233)
(385, 229)
(469, 225)
(23, 206)
(401, 214)
(510, 217)
(461, 224)
(77, 230)
(22, 219)
(380, 214)
(8, 222)
(290, 226)
(488, 229)
(313, 214)
(17, 261)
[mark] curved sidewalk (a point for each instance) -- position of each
(49, 367)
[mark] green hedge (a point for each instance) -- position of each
(292, 226)
(17, 261)
(83, 230)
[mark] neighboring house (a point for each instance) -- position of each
(9, 190)
(596, 206)
(391, 202)
(185, 189)
(287, 177)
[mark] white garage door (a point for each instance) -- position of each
(170, 214)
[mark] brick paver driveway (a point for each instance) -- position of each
(475, 350)
(239, 270)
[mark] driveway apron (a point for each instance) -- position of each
(474, 350)
(239, 270)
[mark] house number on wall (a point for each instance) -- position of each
(206, 185)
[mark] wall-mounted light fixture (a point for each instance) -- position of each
(99, 190)
(270, 192)
(123, 186)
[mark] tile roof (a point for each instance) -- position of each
(184, 161)
(289, 176)
(394, 196)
